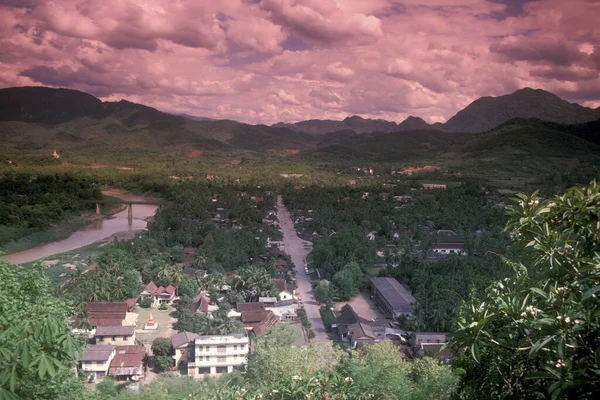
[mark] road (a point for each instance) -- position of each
(298, 249)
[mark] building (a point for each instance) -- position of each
(159, 294)
(106, 314)
(356, 330)
(117, 335)
(200, 304)
(128, 363)
(430, 344)
(449, 243)
(183, 346)
(218, 354)
(428, 186)
(393, 298)
(96, 359)
(284, 291)
(241, 307)
(258, 321)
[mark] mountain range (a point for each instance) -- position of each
(526, 128)
(481, 115)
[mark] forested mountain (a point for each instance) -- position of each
(488, 112)
(36, 121)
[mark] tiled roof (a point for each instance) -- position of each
(270, 320)
(109, 321)
(106, 307)
(250, 307)
(183, 338)
(200, 302)
(254, 316)
(152, 288)
(115, 330)
(131, 349)
(170, 289)
(280, 284)
(97, 352)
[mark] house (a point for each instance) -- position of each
(106, 313)
(393, 298)
(218, 354)
(117, 335)
(284, 291)
(200, 304)
(268, 301)
(361, 333)
(241, 307)
(258, 321)
(128, 363)
(96, 359)
(160, 294)
(371, 235)
(430, 343)
(356, 330)
(403, 198)
(429, 186)
(449, 243)
(183, 346)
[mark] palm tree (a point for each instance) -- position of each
(175, 276)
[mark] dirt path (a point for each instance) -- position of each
(298, 249)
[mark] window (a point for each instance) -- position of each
(221, 359)
(204, 370)
(221, 349)
(125, 337)
(200, 348)
(206, 358)
(114, 338)
(235, 347)
(221, 370)
(101, 339)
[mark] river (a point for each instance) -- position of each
(96, 231)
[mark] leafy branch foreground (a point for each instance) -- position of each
(537, 333)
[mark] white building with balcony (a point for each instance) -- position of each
(218, 354)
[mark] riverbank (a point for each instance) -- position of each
(118, 223)
(62, 229)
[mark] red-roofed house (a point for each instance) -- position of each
(128, 363)
(159, 294)
(284, 291)
(258, 321)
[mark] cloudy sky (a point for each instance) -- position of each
(288, 60)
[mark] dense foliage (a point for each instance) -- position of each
(37, 347)
(29, 203)
(538, 332)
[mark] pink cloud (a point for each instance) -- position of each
(230, 59)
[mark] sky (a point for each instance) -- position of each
(265, 61)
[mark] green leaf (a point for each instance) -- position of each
(475, 352)
(561, 348)
(539, 291)
(588, 293)
(539, 344)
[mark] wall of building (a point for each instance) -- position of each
(216, 357)
(116, 340)
(98, 368)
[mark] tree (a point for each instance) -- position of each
(164, 363)
(542, 324)
(280, 335)
(322, 292)
(35, 342)
(161, 347)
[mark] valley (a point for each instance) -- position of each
(363, 252)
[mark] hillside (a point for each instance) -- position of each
(36, 121)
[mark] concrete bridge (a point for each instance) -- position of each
(129, 203)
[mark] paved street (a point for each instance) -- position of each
(298, 249)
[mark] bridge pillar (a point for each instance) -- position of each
(98, 208)
(130, 214)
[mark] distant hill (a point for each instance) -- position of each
(489, 112)
(36, 120)
(354, 123)
(482, 115)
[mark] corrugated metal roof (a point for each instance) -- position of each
(395, 294)
(97, 352)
